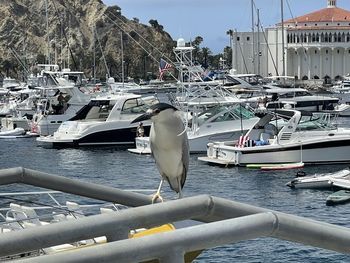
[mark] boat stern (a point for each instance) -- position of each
(220, 153)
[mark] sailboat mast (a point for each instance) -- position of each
(258, 28)
(122, 50)
(94, 54)
(47, 33)
(253, 37)
(283, 51)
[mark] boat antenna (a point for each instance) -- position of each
(103, 55)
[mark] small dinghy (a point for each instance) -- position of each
(339, 197)
(320, 181)
(15, 133)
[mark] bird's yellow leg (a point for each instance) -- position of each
(157, 194)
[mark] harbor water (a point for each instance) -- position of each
(117, 167)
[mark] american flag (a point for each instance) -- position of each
(163, 66)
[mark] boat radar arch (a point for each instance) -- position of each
(110, 80)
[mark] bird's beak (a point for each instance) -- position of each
(144, 117)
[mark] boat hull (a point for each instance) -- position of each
(122, 136)
(327, 151)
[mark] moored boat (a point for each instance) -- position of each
(319, 180)
(339, 197)
(286, 136)
(104, 121)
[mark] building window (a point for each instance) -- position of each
(248, 38)
(315, 24)
(315, 51)
(349, 51)
(238, 38)
(338, 24)
(338, 51)
(305, 24)
(326, 24)
(326, 51)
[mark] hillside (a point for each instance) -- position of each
(24, 34)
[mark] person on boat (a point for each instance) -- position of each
(140, 132)
(61, 103)
(274, 97)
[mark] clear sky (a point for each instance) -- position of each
(211, 19)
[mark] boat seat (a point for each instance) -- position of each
(265, 136)
(24, 216)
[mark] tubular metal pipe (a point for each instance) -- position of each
(11, 175)
(179, 241)
(102, 225)
(313, 233)
(67, 185)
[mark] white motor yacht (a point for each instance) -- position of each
(221, 122)
(104, 121)
(296, 137)
(300, 99)
(50, 112)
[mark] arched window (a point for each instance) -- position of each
(336, 78)
(322, 37)
(316, 77)
(313, 37)
(317, 37)
(305, 77)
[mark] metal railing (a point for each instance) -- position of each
(223, 221)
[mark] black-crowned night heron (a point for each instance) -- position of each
(169, 145)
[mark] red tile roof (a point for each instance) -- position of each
(333, 14)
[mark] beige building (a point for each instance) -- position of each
(317, 45)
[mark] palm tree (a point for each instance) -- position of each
(205, 54)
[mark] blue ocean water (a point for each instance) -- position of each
(117, 167)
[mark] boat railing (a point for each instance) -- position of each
(231, 221)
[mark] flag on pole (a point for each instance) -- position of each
(163, 67)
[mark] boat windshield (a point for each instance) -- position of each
(316, 122)
(138, 105)
(225, 113)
